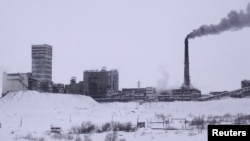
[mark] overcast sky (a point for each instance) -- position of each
(142, 39)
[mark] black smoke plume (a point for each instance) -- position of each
(234, 21)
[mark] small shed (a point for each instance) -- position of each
(57, 130)
(140, 124)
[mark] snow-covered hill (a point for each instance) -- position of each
(32, 112)
(32, 101)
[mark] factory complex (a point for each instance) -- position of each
(103, 85)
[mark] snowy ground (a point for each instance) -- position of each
(34, 113)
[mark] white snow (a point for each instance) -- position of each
(30, 112)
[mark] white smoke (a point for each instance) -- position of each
(234, 21)
(162, 83)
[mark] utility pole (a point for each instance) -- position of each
(70, 118)
(21, 122)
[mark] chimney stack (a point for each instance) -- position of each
(186, 66)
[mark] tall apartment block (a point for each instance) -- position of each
(98, 84)
(42, 62)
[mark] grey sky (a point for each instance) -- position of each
(143, 39)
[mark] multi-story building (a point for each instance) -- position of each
(245, 83)
(15, 82)
(74, 87)
(42, 62)
(58, 88)
(99, 84)
(151, 94)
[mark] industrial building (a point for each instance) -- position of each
(42, 62)
(146, 94)
(58, 88)
(187, 91)
(245, 83)
(99, 84)
(103, 85)
(181, 94)
(15, 82)
(74, 87)
(132, 94)
(151, 94)
(42, 67)
(40, 79)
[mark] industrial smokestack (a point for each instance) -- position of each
(186, 66)
(234, 21)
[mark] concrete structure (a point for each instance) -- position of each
(99, 84)
(187, 91)
(58, 88)
(147, 94)
(180, 94)
(15, 82)
(74, 87)
(35, 85)
(24, 81)
(151, 94)
(46, 86)
(134, 90)
(42, 68)
(239, 93)
(186, 83)
(135, 94)
(245, 83)
(217, 92)
(42, 62)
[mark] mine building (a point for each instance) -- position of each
(42, 66)
(42, 62)
(132, 94)
(245, 83)
(40, 79)
(74, 87)
(99, 84)
(15, 82)
(58, 88)
(186, 91)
